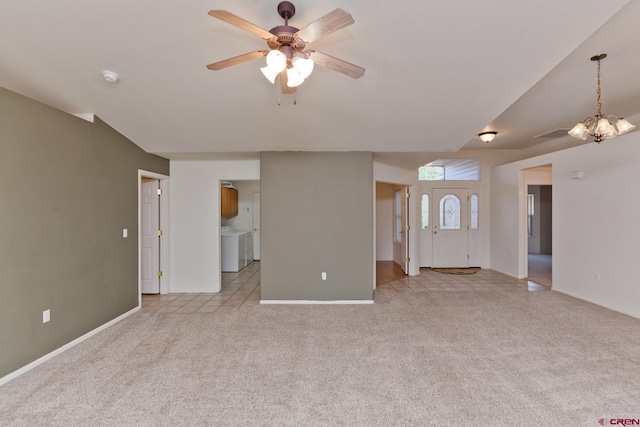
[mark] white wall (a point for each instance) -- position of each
(195, 219)
(384, 222)
(595, 221)
(539, 176)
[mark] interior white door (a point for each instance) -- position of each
(450, 228)
(256, 226)
(149, 239)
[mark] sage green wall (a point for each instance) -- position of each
(316, 215)
(67, 189)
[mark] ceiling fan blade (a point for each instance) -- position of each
(336, 64)
(237, 60)
(236, 21)
(283, 83)
(326, 25)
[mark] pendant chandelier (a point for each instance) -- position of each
(600, 127)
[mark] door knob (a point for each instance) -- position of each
(435, 231)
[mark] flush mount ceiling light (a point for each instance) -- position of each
(110, 76)
(487, 136)
(287, 57)
(600, 126)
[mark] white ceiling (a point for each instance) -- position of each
(437, 73)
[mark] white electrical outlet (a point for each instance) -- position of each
(324, 275)
(125, 233)
(46, 316)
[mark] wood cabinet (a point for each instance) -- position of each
(228, 201)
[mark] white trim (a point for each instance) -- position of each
(301, 301)
(165, 285)
(67, 346)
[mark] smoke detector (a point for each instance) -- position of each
(110, 76)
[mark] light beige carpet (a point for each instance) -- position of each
(492, 358)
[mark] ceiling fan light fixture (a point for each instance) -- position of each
(303, 65)
(276, 60)
(294, 79)
(286, 43)
(487, 136)
(269, 74)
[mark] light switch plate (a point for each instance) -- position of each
(46, 316)
(125, 233)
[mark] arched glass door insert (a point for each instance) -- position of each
(450, 212)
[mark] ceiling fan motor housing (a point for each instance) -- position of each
(285, 37)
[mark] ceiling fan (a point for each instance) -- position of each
(287, 56)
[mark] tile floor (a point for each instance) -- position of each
(242, 290)
(482, 280)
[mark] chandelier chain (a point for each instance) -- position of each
(599, 92)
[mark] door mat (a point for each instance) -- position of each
(460, 271)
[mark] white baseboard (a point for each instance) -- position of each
(299, 301)
(67, 346)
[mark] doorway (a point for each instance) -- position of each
(539, 237)
(240, 236)
(391, 232)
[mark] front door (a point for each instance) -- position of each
(450, 228)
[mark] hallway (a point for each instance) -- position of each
(539, 270)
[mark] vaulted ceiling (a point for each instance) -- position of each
(437, 73)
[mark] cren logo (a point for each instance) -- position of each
(619, 422)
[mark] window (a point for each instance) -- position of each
(474, 211)
(398, 217)
(530, 212)
(425, 211)
(450, 170)
(450, 212)
(431, 173)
